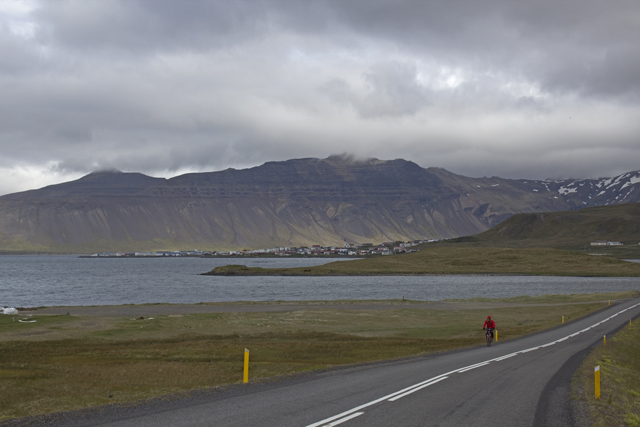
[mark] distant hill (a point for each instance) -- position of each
(569, 229)
(297, 202)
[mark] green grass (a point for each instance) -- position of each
(568, 229)
(72, 362)
(460, 260)
(619, 361)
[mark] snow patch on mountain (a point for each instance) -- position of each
(606, 182)
(565, 190)
(615, 182)
(634, 180)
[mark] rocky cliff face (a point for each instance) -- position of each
(293, 203)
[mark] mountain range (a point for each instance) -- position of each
(297, 202)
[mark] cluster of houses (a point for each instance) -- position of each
(605, 243)
(365, 249)
(194, 253)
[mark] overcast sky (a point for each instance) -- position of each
(516, 89)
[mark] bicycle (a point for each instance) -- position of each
(489, 337)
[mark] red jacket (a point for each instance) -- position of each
(489, 324)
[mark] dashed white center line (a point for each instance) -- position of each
(393, 399)
(342, 420)
(506, 356)
(468, 368)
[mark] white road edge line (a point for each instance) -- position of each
(418, 386)
(393, 399)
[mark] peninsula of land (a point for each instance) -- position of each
(549, 244)
(437, 260)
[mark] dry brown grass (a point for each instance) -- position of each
(110, 360)
(619, 361)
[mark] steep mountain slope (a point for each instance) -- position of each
(292, 203)
(551, 195)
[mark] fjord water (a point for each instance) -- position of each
(30, 281)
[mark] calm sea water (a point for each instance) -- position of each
(27, 281)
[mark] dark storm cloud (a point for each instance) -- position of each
(508, 88)
(148, 26)
(588, 47)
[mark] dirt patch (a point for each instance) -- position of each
(28, 334)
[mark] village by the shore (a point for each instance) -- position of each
(348, 250)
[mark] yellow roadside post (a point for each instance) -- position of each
(562, 319)
(609, 302)
(604, 338)
(245, 377)
(597, 381)
(496, 335)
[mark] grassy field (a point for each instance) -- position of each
(70, 362)
(449, 259)
(630, 250)
(619, 361)
(558, 299)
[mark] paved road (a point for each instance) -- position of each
(522, 382)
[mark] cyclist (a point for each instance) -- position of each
(490, 325)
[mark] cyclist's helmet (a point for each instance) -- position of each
(488, 317)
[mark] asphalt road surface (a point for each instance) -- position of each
(524, 382)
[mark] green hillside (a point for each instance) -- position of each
(617, 222)
(571, 230)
